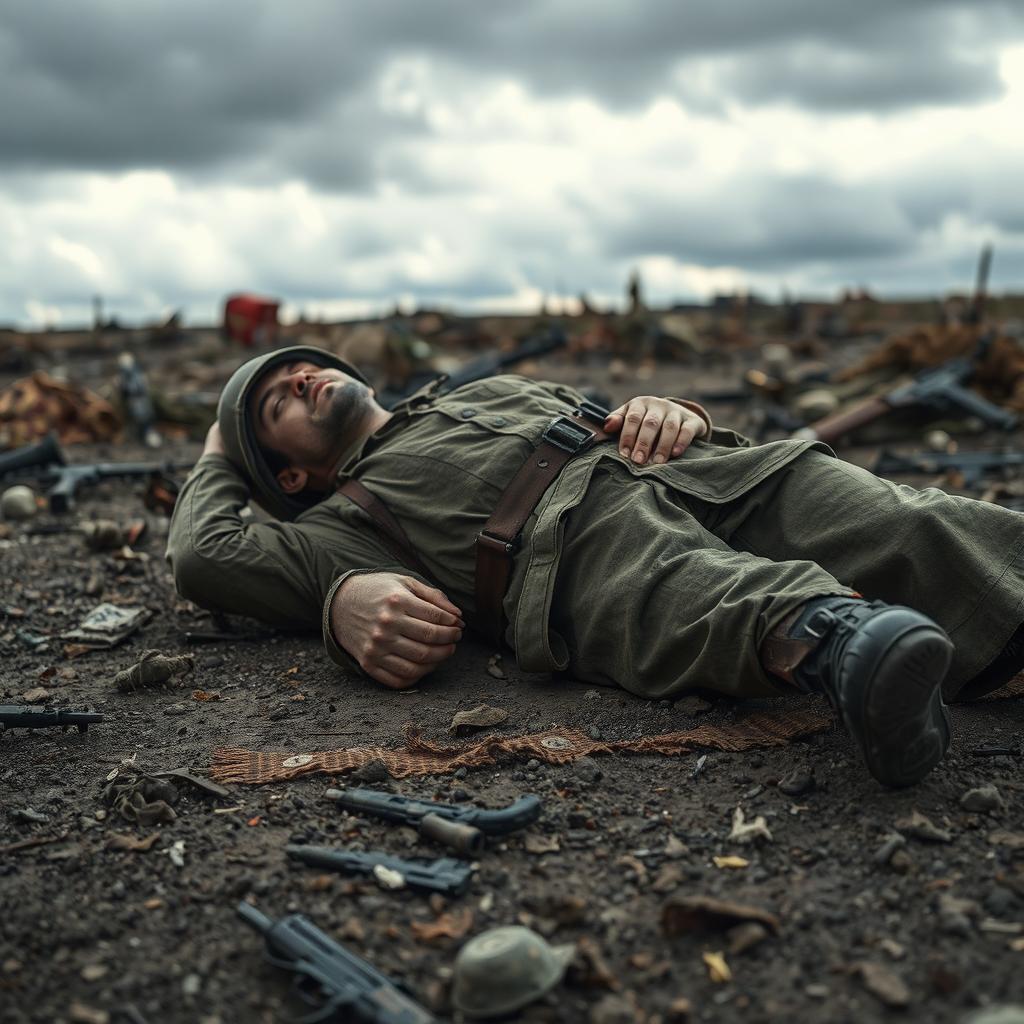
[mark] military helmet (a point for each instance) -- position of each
(239, 433)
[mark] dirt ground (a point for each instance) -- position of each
(870, 926)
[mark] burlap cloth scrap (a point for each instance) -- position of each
(558, 745)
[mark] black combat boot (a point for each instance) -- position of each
(881, 667)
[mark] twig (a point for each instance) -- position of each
(26, 844)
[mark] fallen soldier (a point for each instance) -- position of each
(645, 548)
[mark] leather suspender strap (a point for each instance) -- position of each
(394, 536)
(497, 543)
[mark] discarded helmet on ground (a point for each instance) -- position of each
(505, 968)
(239, 434)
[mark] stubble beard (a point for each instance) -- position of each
(348, 410)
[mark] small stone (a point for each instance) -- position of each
(679, 1011)
(613, 1009)
(79, 1013)
(917, 826)
(884, 854)
(587, 770)
(93, 972)
(817, 991)
(692, 705)
(745, 936)
(177, 709)
(997, 1015)
(882, 983)
(983, 800)
(190, 985)
(797, 782)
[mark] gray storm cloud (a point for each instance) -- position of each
(343, 149)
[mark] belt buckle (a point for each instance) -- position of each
(823, 619)
(594, 412)
(568, 434)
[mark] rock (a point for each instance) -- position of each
(372, 771)
(745, 936)
(18, 503)
(692, 705)
(883, 855)
(997, 1015)
(797, 782)
(917, 826)
(177, 709)
(481, 717)
(613, 1009)
(668, 878)
(885, 985)
(956, 914)
(587, 770)
(983, 800)
(190, 985)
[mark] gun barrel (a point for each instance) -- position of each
(34, 456)
(254, 917)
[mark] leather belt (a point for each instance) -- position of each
(497, 543)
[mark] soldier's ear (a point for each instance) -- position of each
(292, 480)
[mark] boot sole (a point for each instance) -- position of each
(904, 727)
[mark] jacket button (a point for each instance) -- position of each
(499, 421)
(468, 414)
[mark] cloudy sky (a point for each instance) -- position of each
(342, 155)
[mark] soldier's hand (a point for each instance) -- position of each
(397, 628)
(654, 429)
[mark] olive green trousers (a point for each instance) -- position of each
(663, 593)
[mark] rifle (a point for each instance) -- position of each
(444, 874)
(941, 389)
(972, 465)
(461, 827)
(535, 346)
(25, 716)
(340, 984)
(46, 461)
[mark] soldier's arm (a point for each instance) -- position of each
(327, 569)
(274, 571)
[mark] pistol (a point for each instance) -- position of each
(462, 827)
(445, 875)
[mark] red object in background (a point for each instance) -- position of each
(251, 319)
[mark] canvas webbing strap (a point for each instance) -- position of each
(394, 536)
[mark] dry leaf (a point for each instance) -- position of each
(118, 841)
(255, 821)
(447, 926)
(636, 866)
(37, 695)
(748, 831)
(534, 843)
(206, 694)
(154, 904)
(737, 863)
(718, 969)
(479, 717)
(319, 883)
(704, 913)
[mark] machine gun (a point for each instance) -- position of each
(27, 716)
(456, 825)
(45, 461)
(973, 466)
(942, 389)
(340, 984)
(445, 875)
(535, 346)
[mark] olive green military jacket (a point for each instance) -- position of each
(440, 465)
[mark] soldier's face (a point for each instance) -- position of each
(308, 413)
